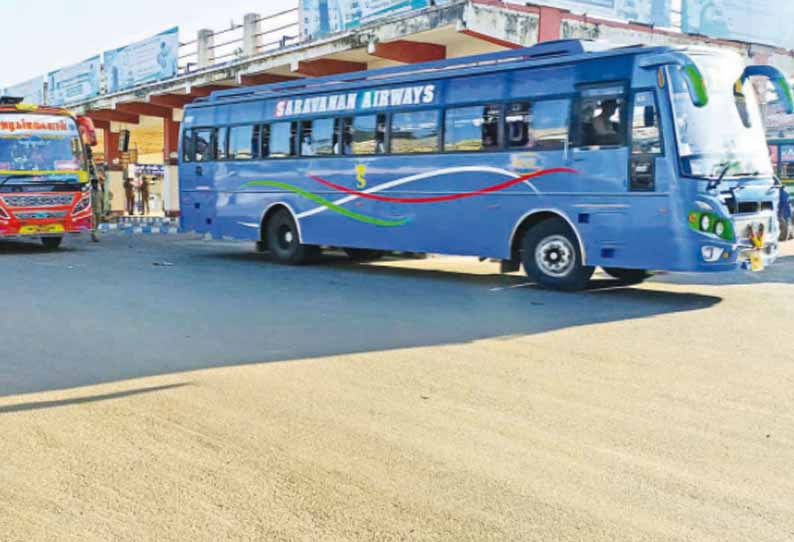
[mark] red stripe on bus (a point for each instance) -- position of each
(452, 197)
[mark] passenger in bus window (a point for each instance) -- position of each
(606, 125)
(380, 135)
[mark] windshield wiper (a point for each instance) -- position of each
(714, 183)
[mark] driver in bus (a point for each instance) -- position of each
(606, 131)
(307, 148)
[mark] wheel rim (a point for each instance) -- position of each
(555, 256)
(285, 237)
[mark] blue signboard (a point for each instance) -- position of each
(31, 92)
(75, 83)
(321, 17)
(760, 21)
(149, 60)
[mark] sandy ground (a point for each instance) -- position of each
(672, 425)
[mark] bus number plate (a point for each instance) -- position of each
(43, 229)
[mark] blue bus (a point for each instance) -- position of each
(562, 157)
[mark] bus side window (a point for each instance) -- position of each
(365, 134)
(472, 128)
(264, 141)
(283, 139)
(600, 119)
(517, 122)
(415, 132)
(242, 143)
(202, 140)
(221, 139)
(317, 137)
(187, 146)
(646, 133)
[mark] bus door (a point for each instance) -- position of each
(199, 150)
(600, 155)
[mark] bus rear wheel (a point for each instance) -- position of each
(628, 276)
(51, 243)
(284, 243)
(361, 255)
(552, 257)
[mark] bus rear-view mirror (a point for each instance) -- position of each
(777, 79)
(695, 82)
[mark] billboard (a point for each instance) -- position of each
(75, 83)
(655, 12)
(149, 60)
(321, 17)
(31, 91)
(761, 21)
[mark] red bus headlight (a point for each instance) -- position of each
(82, 205)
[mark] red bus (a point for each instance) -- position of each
(45, 172)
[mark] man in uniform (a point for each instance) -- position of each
(97, 203)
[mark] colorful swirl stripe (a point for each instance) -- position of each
(330, 205)
(449, 197)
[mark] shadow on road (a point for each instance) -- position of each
(117, 316)
(43, 405)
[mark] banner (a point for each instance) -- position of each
(655, 12)
(760, 21)
(321, 17)
(149, 60)
(75, 83)
(31, 91)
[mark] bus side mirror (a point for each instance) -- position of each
(87, 131)
(777, 79)
(695, 82)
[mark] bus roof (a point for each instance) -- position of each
(542, 54)
(36, 109)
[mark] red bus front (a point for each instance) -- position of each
(44, 174)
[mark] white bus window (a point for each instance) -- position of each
(472, 128)
(414, 132)
(646, 136)
(283, 137)
(242, 143)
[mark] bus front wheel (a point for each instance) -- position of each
(628, 276)
(51, 243)
(551, 256)
(283, 240)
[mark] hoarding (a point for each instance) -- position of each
(31, 92)
(761, 21)
(655, 12)
(149, 60)
(321, 17)
(76, 83)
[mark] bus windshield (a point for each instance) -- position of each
(726, 137)
(42, 144)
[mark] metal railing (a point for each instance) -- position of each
(275, 31)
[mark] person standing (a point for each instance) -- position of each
(97, 204)
(145, 195)
(129, 195)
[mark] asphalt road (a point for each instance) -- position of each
(168, 388)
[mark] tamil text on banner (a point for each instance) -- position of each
(149, 60)
(31, 92)
(75, 83)
(760, 21)
(655, 12)
(321, 17)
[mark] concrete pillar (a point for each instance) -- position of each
(550, 24)
(171, 191)
(206, 48)
(171, 143)
(251, 40)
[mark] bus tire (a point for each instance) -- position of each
(361, 255)
(551, 256)
(51, 243)
(283, 240)
(628, 276)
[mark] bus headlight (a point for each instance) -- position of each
(82, 205)
(719, 229)
(711, 254)
(705, 222)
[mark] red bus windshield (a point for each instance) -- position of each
(45, 144)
